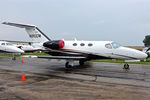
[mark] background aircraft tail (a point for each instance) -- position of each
(34, 33)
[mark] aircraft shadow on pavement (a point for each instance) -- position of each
(72, 69)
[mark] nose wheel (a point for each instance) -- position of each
(126, 66)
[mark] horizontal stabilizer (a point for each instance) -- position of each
(19, 25)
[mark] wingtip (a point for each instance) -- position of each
(4, 22)
(17, 24)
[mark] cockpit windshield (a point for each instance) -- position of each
(115, 45)
(6, 43)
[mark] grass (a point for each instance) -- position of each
(36, 54)
(18, 55)
(6, 55)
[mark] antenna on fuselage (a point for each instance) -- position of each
(75, 39)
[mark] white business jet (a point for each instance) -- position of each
(81, 51)
(6, 47)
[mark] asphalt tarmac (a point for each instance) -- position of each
(89, 82)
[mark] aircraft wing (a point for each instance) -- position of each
(62, 57)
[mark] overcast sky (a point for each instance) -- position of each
(123, 21)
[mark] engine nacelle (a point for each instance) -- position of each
(56, 44)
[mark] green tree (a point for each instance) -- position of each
(146, 41)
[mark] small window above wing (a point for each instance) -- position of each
(90, 44)
(74, 44)
(108, 45)
(82, 44)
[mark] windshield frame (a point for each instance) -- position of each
(108, 46)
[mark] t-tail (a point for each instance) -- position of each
(34, 32)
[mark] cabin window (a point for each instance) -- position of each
(90, 44)
(82, 44)
(108, 46)
(74, 44)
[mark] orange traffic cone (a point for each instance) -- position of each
(23, 77)
(21, 60)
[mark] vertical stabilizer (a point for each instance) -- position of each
(34, 33)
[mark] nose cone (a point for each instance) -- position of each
(20, 51)
(133, 53)
(139, 54)
(16, 50)
(143, 55)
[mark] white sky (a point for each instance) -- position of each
(123, 21)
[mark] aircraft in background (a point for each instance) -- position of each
(6, 47)
(28, 48)
(25, 46)
(81, 51)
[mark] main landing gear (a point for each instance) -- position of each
(126, 66)
(69, 64)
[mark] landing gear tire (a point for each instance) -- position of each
(126, 66)
(81, 62)
(67, 65)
